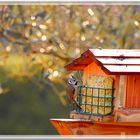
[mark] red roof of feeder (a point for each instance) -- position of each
(112, 61)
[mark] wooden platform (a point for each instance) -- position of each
(88, 127)
(76, 115)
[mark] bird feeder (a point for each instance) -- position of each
(109, 95)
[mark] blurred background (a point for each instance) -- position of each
(37, 41)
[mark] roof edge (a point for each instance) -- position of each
(86, 55)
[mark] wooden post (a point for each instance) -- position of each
(125, 86)
(116, 92)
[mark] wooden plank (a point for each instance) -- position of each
(88, 127)
(123, 69)
(81, 60)
(93, 69)
(86, 74)
(116, 53)
(132, 91)
(116, 92)
(117, 61)
(125, 91)
(76, 115)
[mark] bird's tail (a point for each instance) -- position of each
(77, 105)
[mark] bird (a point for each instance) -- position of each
(71, 91)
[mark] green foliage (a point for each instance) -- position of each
(26, 109)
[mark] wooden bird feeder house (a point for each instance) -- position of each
(109, 95)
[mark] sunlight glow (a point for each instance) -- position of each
(90, 12)
(50, 70)
(43, 38)
(85, 23)
(55, 73)
(8, 48)
(43, 26)
(42, 50)
(62, 46)
(32, 18)
(101, 41)
(34, 24)
(39, 34)
(83, 38)
(49, 21)
(136, 23)
(49, 48)
(97, 37)
(77, 51)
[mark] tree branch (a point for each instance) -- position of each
(51, 52)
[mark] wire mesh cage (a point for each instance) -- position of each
(97, 101)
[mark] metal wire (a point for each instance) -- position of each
(91, 107)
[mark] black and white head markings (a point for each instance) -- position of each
(72, 80)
